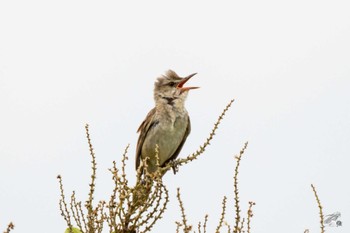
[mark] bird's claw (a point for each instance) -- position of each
(174, 166)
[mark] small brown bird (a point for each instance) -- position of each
(167, 124)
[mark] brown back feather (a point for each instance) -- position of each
(143, 130)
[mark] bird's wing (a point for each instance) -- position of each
(177, 152)
(145, 126)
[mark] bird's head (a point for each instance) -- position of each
(170, 88)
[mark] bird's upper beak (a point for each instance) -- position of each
(183, 81)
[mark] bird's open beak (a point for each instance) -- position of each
(183, 81)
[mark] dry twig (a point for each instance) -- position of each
(319, 207)
(10, 227)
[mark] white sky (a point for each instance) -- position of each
(286, 63)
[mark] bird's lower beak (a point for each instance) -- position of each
(183, 81)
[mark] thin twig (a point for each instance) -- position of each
(235, 185)
(250, 215)
(319, 207)
(222, 215)
(193, 156)
(63, 204)
(10, 227)
(88, 204)
(205, 224)
(183, 215)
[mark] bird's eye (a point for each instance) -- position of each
(172, 84)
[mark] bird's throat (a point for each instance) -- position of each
(171, 108)
(170, 100)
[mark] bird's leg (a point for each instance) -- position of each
(174, 165)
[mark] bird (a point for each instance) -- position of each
(167, 124)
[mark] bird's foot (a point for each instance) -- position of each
(174, 165)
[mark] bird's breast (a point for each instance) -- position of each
(168, 135)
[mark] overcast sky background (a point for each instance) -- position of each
(286, 64)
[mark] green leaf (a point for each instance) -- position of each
(74, 230)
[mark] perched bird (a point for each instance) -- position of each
(167, 124)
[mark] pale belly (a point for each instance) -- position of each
(168, 137)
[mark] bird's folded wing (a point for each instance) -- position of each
(145, 126)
